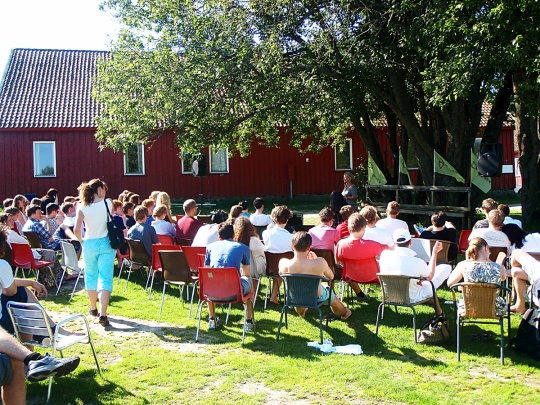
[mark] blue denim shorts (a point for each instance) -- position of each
(6, 370)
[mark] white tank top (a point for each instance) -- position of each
(95, 219)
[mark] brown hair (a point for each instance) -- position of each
(439, 218)
(301, 241)
(235, 211)
(127, 206)
(140, 212)
(159, 211)
(189, 205)
(32, 209)
(135, 199)
(326, 214)
(393, 208)
(369, 213)
(243, 230)
(504, 208)
(345, 212)
(475, 245)
(496, 218)
(280, 214)
(116, 204)
(88, 190)
(356, 222)
(489, 204)
(148, 203)
(3, 240)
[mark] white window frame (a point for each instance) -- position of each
(336, 150)
(211, 153)
(36, 174)
(141, 151)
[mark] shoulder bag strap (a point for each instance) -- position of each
(109, 217)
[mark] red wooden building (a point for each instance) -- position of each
(47, 140)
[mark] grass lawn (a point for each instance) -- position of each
(151, 360)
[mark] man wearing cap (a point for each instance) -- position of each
(403, 261)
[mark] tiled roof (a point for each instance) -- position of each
(45, 88)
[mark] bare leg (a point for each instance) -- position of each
(14, 393)
(11, 347)
(104, 298)
(211, 309)
(275, 290)
(338, 308)
(92, 296)
(520, 285)
(301, 311)
(355, 287)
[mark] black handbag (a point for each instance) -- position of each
(116, 235)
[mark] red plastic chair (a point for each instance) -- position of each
(22, 258)
(201, 257)
(121, 260)
(166, 239)
(191, 256)
(222, 286)
(361, 271)
(463, 243)
(156, 263)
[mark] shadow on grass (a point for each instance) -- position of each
(91, 389)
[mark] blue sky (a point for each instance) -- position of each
(54, 24)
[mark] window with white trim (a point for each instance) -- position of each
(219, 160)
(134, 159)
(44, 159)
(343, 156)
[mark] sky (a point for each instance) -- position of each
(54, 24)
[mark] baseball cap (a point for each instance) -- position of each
(401, 236)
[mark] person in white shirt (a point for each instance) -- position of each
(492, 234)
(278, 240)
(381, 235)
(208, 233)
(258, 218)
(391, 223)
(403, 261)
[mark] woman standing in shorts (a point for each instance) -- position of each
(97, 250)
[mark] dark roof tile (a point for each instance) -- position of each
(47, 88)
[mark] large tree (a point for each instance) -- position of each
(227, 72)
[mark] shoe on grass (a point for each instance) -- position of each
(93, 312)
(248, 327)
(214, 324)
(50, 366)
(363, 298)
(104, 321)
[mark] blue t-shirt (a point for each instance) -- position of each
(226, 253)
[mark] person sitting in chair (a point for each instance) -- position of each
(142, 231)
(524, 268)
(306, 262)
(188, 225)
(402, 261)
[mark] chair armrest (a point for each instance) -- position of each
(69, 320)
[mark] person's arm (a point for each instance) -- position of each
(283, 266)
(10, 291)
(328, 273)
(456, 275)
(77, 230)
(437, 247)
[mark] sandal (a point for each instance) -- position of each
(104, 321)
(93, 312)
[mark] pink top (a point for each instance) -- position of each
(358, 249)
(324, 237)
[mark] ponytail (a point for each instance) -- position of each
(87, 191)
(474, 247)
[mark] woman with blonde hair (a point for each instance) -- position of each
(245, 232)
(98, 253)
(164, 199)
(478, 268)
(234, 213)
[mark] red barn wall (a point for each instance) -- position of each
(264, 172)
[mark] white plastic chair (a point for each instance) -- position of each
(31, 318)
(69, 257)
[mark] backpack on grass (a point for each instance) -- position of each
(527, 339)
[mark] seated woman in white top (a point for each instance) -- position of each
(245, 232)
(478, 268)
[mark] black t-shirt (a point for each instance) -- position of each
(448, 234)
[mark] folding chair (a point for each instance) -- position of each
(176, 271)
(33, 239)
(156, 263)
(138, 256)
(166, 239)
(301, 290)
(24, 259)
(463, 243)
(395, 292)
(272, 268)
(222, 285)
(31, 318)
(479, 302)
(71, 261)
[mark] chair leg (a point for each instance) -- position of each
(92, 347)
(501, 321)
(280, 322)
(228, 312)
(61, 280)
(75, 286)
(458, 338)
(414, 324)
(129, 274)
(267, 288)
(192, 295)
(320, 325)
(379, 312)
(199, 310)
(162, 297)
